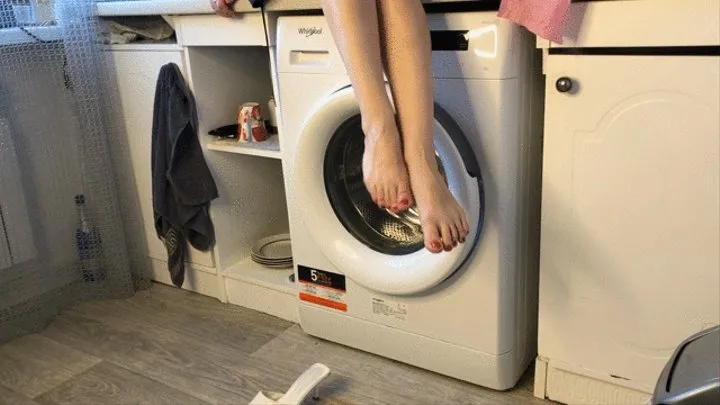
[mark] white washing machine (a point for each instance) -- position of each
(364, 278)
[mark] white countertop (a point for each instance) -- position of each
(154, 7)
(16, 36)
(174, 7)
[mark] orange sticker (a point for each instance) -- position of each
(314, 299)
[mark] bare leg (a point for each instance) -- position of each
(407, 55)
(355, 28)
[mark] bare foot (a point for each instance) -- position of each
(443, 221)
(384, 170)
(223, 7)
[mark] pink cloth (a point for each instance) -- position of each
(543, 18)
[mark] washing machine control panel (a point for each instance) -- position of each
(449, 40)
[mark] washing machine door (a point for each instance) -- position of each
(373, 247)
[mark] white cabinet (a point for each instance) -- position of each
(630, 223)
(16, 238)
(251, 204)
(136, 71)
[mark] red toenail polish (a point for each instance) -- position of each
(435, 245)
(448, 248)
(404, 202)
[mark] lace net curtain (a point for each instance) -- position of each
(61, 234)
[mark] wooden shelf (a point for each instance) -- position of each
(269, 149)
(250, 272)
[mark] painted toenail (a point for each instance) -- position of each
(435, 245)
(404, 202)
(448, 248)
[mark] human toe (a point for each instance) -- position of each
(455, 233)
(405, 198)
(433, 240)
(464, 227)
(447, 238)
(372, 191)
(379, 197)
(392, 199)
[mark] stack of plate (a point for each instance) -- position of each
(273, 251)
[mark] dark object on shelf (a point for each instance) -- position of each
(182, 184)
(692, 375)
(228, 131)
(231, 131)
(272, 130)
(257, 3)
(88, 245)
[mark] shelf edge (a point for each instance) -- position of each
(244, 150)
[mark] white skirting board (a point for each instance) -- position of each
(282, 304)
(197, 279)
(572, 385)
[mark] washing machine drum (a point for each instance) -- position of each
(374, 247)
(379, 229)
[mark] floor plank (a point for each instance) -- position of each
(381, 379)
(9, 397)
(194, 316)
(191, 349)
(106, 383)
(207, 369)
(35, 364)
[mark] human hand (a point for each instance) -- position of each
(223, 7)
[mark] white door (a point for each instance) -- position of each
(630, 210)
(16, 238)
(137, 73)
(374, 247)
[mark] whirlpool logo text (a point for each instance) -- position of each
(309, 31)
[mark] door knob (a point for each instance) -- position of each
(563, 84)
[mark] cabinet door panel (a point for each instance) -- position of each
(137, 74)
(630, 223)
(17, 243)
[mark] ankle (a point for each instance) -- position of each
(377, 116)
(420, 156)
(379, 125)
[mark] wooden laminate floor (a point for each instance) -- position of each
(167, 346)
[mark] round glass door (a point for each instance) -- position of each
(374, 247)
(380, 229)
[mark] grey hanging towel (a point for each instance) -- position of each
(183, 186)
